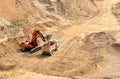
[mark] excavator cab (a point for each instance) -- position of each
(24, 44)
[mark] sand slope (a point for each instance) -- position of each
(87, 50)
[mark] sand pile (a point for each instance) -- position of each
(72, 58)
(85, 49)
(71, 9)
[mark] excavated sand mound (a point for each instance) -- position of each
(89, 49)
(72, 58)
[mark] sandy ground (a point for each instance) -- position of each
(86, 52)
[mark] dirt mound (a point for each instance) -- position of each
(17, 9)
(84, 48)
(7, 64)
(101, 38)
(41, 10)
(72, 60)
(71, 9)
(9, 11)
(21, 74)
(116, 11)
(75, 57)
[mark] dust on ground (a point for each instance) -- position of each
(87, 50)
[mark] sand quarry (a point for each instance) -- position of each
(88, 32)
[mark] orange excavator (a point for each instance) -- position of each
(25, 45)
